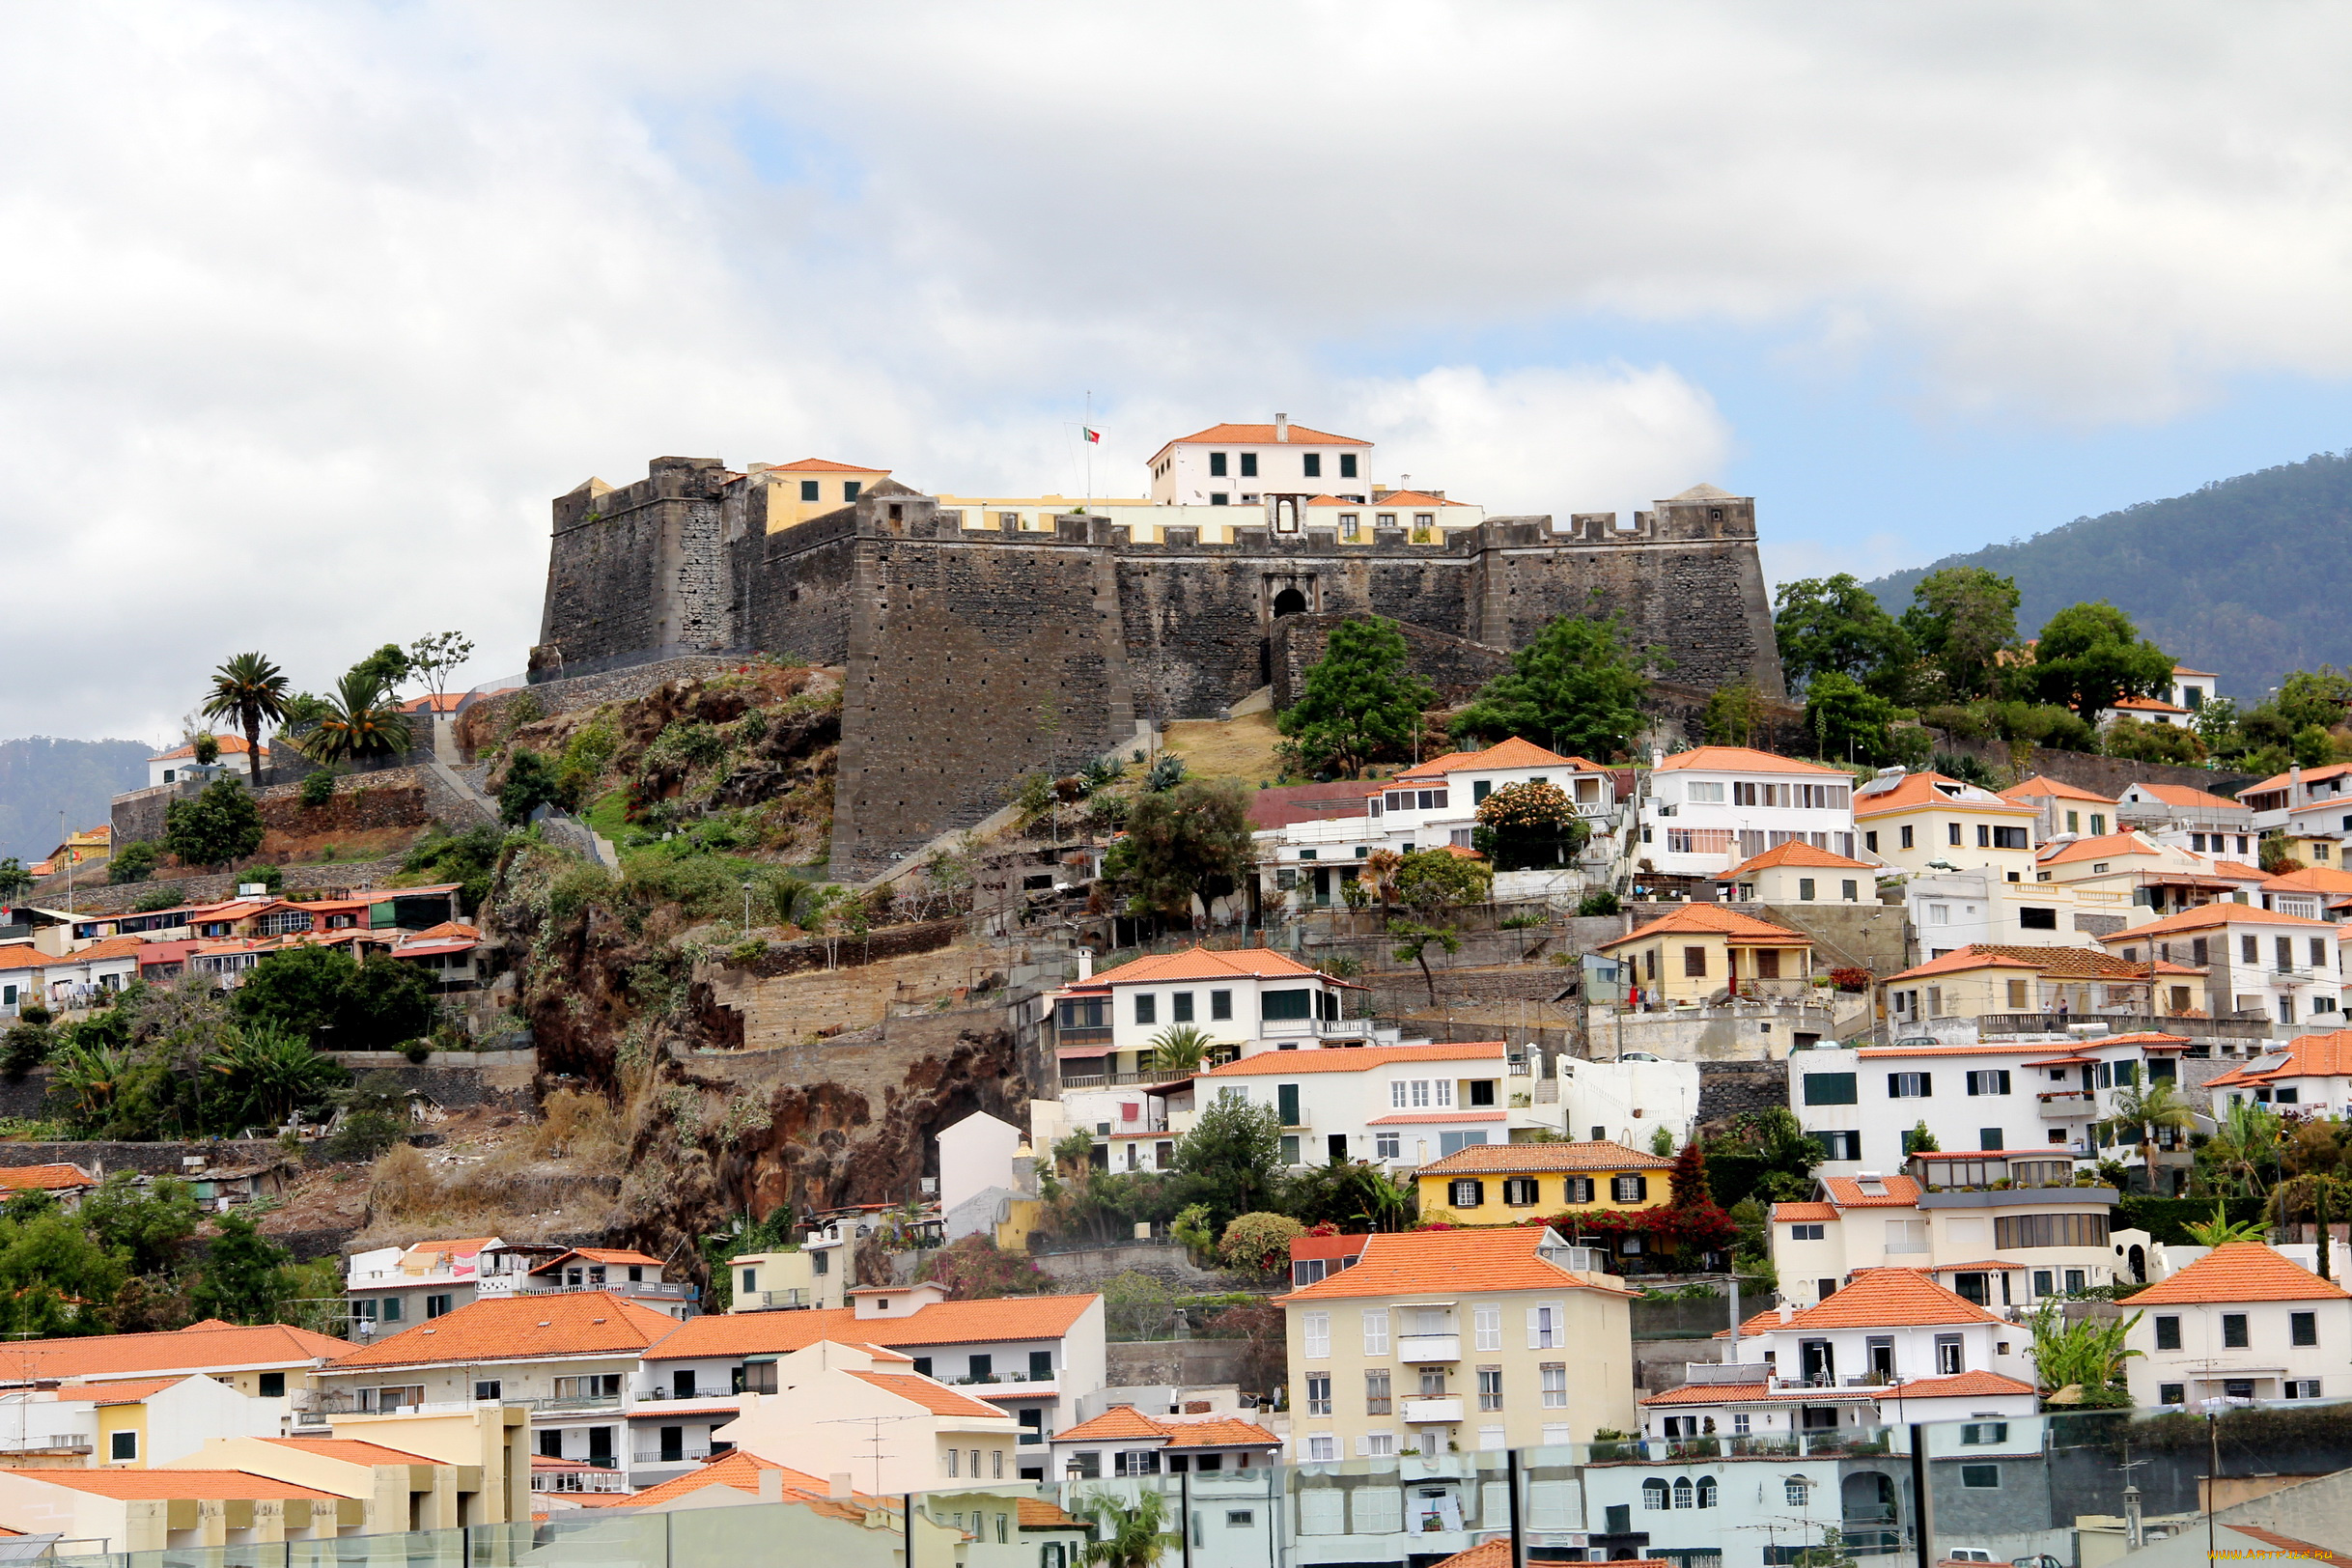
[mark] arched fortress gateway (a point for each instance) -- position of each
(984, 641)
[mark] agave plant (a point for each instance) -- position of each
(359, 721)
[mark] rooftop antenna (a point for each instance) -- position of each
(874, 1438)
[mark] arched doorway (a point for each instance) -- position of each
(2139, 1260)
(1290, 602)
(1868, 1501)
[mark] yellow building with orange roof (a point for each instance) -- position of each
(1796, 873)
(1436, 1340)
(1927, 822)
(1690, 956)
(786, 495)
(1505, 1184)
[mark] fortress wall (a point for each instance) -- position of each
(641, 567)
(792, 587)
(969, 664)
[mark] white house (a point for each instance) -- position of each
(2310, 1074)
(1237, 464)
(2256, 961)
(171, 767)
(2310, 805)
(2066, 809)
(1950, 1219)
(1123, 1440)
(975, 1156)
(2240, 1323)
(1796, 873)
(1627, 1102)
(1954, 910)
(1397, 1106)
(2192, 688)
(822, 1398)
(2189, 819)
(1927, 822)
(1711, 807)
(2020, 1096)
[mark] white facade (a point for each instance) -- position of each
(1399, 1107)
(2241, 1324)
(2256, 961)
(2304, 803)
(1952, 910)
(1627, 1102)
(1712, 808)
(1236, 465)
(975, 1154)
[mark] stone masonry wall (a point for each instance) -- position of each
(641, 567)
(792, 587)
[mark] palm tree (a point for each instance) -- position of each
(247, 689)
(90, 1078)
(1180, 1048)
(2248, 1131)
(2141, 1109)
(359, 721)
(1127, 1534)
(2223, 1231)
(273, 1072)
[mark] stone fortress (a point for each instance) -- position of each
(988, 639)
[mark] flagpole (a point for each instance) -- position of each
(1086, 440)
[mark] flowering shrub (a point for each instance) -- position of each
(1850, 979)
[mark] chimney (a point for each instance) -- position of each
(1787, 1311)
(772, 1486)
(1404, 482)
(836, 1484)
(1281, 427)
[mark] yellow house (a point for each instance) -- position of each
(152, 1510)
(791, 493)
(1445, 1340)
(1502, 1184)
(1926, 821)
(1700, 950)
(1986, 977)
(1796, 873)
(401, 1490)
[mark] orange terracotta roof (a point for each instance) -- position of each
(1709, 1393)
(2206, 916)
(1961, 962)
(1480, 1158)
(2279, 781)
(1220, 1432)
(936, 1398)
(1477, 1259)
(2147, 705)
(822, 465)
(352, 1452)
(2042, 787)
(210, 1346)
(1880, 1297)
(1768, 1318)
(1916, 790)
(736, 1468)
(2288, 1545)
(25, 956)
(2306, 1056)
(1497, 1554)
(1977, 1384)
(941, 1323)
(1264, 435)
(1794, 852)
(511, 1328)
(229, 744)
(1413, 498)
(1511, 753)
(139, 1485)
(2311, 880)
(2077, 963)
(1713, 920)
(1902, 1192)
(1118, 1421)
(129, 1391)
(46, 1178)
(1037, 1514)
(2107, 846)
(601, 1254)
(1741, 760)
(1355, 1058)
(1783, 1213)
(2241, 1271)
(1204, 964)
(2181, 795)
(2240, 871)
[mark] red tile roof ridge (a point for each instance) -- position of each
(1894, 1297)
(1712, 919)
(1914, 790)
(1198, 963)
(936, 1397)
(1587, 1154)
(1978, 1384)
(1795, 852)
(520, 1328)
(1709, 1393)
(1355, 1058)
(1263, 435)
(2054, 787)
(2129, 841)
(1513, 752)
(821, 465)
(1743, 760)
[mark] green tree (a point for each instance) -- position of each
(147, 1227)
(299, 990)
(2142, 1109)
(1962, 619)
(244, 1275)
(1361, 700)
(1128, 1533)
(389, 1004)
(1259, 1240)
(1413, 946)
(247, 690)
(359, 721)
(434, 658)
(14, 880)
(25, 1046)
(1845, 720)
(1734, 713)
(2315, 698)
(529, 784)
(2223, 1231)
(1431, 880)
(1353, 1195)
(1578, 687)
(2130, 739)
(319, 788)
(2090, 656)
(385, 668)
(1919, 1140)
(2086, 1355)
(269, 1074)
(134, 862)
(1192, 841)
(1231, 1162)
(51, 1268)
(1834, 626)
(218, 825)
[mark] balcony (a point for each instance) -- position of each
(578, 1402)
(1448, 1409)
(686, 1453)
(644, 1289)
(776, 1300)
(667, 1393)
(68, 1443)
(2069, 1103)
(1429, 1347)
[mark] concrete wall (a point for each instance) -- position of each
(1191, 1363)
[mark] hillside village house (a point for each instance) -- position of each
(1627, 1102)
(88, 978)
(2240, 1323)
(1926, 821)
(1505, 1184)
(1702, 952)
(2257, 962)
(1713, 807)
(934, 1436)
(2023, 1098)
(1952, 910)
(1949, 1217)
(1796, 873)
(2036, 989)
(1247, 999)
(127, 1510)
(2148, 710)
(1395, 1105)
(1471, 1340)
(130, 1422)
(67, 1184)
(1035, 1358)
(1228, 464)
(173, 767)
(1123, 1440)
(2127, 872)
(2310, 808)
(2179, 817)
(2063, 808)
(397, 1490)
(2315, 892)
(2190, 688)
(2310, 1074)
(267, 1362)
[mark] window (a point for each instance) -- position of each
(2037, 920)
(272, 1386)
(1794, 1489)
(1694, 963)
(1552, 1382)
(1521, 1192)
(1910, 1085)
(1311, 464)
(1981, 1478)
(1486, 1328)
(2233, 1330)
(1376, 1393)
(1464, 1193)
(1839, 1145)
(1804, 889)
(1629, 1189)
(1319, 1391)
(1948, 1356)
(2167, 1333)
(2303, 1328)
(123, 1445)
(1388, 1145)
(1321, 1449)
(2008, 838)
(849, 488)
(394, 1309)
(2299, 1388)
(1220, 1004)
(436, 1306)
(1490, 1387)
(1808, 1233)
(1906, 831)
(2171, 1393)
(1978, 1434)
(1990, 1082)
(2250, 949)
(1829, 1089)
(1315, 1331)
(1654, 1494)
(1347, 465)
(1249, 466)
(2048, 1230)
(1217, 465)
(1282, 1006)
(1682, 1491)
(1147, 1008)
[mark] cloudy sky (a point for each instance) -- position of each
(306, 310)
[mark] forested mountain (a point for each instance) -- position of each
(2244, 577)
(41, 777)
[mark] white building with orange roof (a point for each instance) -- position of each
(2258, 963)
(1796, 873)
(174, 766)
(1703, 952)
(2308, 805)
(1957, 994)
(2182, 816)
(1950, 1216)
(2148, 711)
(2019, 1097)
(2315, 892)
(1929, 823)
(1424, 517)
(2065, 808)
(1712, 808)
(1488, 1338)
(1235, 464)
(266, 1361)
(1123, 1440)
(2131, 875)
(397, 1490)
(132, 1422)
(2240, 1324)
(1397, 1106)
(2309, 1076)
(827, 1395)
